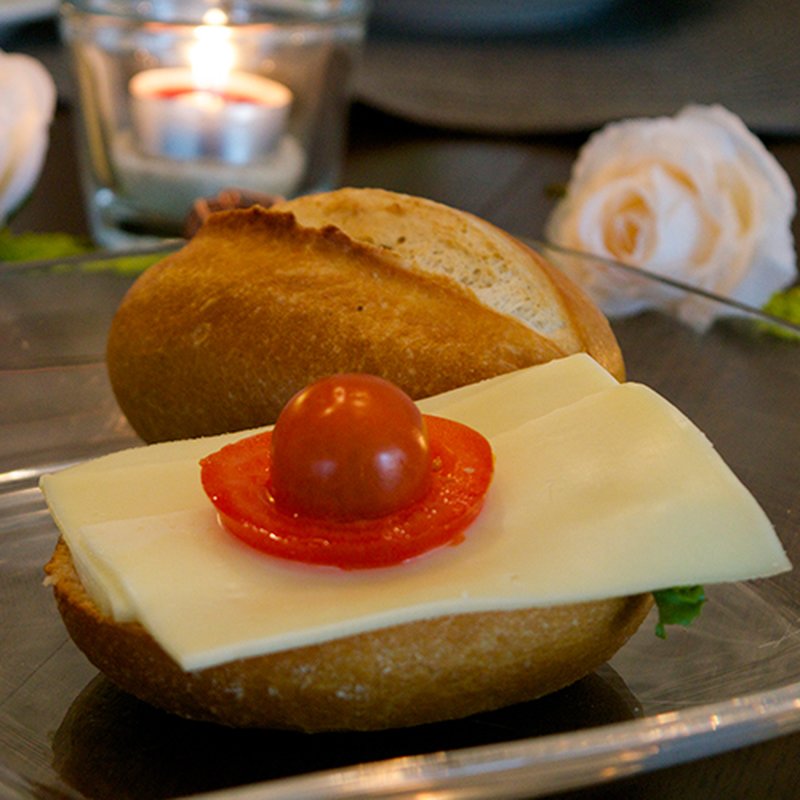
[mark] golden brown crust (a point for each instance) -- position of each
(218, 336)
(432, 670)
(501, 269)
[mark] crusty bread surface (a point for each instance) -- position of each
(219, 335)
(502, 272)
(427, 671)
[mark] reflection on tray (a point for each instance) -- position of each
(113, 745)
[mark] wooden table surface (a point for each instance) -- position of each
(506, 181)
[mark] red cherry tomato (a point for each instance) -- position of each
(349, 447)
(240, 479)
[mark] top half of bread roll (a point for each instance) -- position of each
(219, 335)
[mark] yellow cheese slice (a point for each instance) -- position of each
(611, 493)
(507, 401)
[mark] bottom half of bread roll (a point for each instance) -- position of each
(425, 671)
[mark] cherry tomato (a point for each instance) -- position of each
(349, 447)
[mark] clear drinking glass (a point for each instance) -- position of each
(183, 99)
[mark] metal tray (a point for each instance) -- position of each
(731, 679)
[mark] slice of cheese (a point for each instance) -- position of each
(507, 401)
(610, 492)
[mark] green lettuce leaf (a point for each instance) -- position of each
(40, 246)
(784, 305)
(680, 605)
(53, 246)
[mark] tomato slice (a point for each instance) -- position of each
(237, 479)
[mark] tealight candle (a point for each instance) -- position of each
(238, 121)
(203, 127)
(181, 101)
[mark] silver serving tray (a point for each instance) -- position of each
(731, 679)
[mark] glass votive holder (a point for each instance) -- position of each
(186, 98)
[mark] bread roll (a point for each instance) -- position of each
(432, 670)
(260, 303)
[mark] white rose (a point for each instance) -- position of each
(694, 198)
(27, 105)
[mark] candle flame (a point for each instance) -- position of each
(212, 56)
